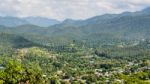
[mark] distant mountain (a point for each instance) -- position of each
(15, 21)
(146, 10)
(127, 25)
(40, 21)
(12, 21)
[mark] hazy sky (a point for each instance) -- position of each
(62, 9)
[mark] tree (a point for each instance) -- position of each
(14, 72)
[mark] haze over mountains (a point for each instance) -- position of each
(15, 21)
(127, 25)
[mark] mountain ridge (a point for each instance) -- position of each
(11, 21)
(127, 25)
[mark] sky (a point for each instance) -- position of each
(65, 9)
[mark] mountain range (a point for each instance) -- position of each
(127, 25)
(16, 21)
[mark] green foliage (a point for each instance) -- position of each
(13, 72)
(40, 56)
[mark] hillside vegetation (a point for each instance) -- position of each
(107, 49)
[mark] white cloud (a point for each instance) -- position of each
(62, 9)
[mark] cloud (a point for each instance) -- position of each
(62, 9)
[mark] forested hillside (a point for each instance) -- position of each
(127, 25)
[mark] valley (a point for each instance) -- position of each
(106, 49)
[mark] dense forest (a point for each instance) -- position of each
(107, 49)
